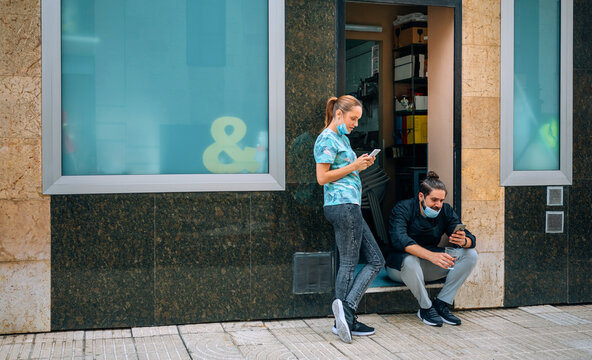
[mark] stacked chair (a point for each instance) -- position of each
(374, 184)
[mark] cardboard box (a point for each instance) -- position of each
(404, 67)
(410, 35)
(421, 102)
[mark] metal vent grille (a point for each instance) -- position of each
(313, 273)
(554, 195)
(554, 222)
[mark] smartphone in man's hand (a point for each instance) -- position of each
(459, 227)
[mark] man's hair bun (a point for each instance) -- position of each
(431, 182)
(432, 175)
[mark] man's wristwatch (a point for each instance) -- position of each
(465, 244)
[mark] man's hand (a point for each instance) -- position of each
(459, 238)
(442, 260)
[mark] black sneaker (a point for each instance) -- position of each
(341, 324)
(361, 329)
(358, 329)
(442, 310)
(429, 316)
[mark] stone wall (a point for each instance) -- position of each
(482, 195)
(24, 210)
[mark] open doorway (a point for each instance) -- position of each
(409, 82)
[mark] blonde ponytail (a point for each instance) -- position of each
(345, 103)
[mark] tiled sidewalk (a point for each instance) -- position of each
(539, 332)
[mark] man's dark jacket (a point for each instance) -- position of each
(407, 226)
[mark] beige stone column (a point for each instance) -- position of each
(482, 195)
(24, 211)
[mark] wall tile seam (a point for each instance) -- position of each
(20, 76)
(20, 138)
(25, 199)
(481, 44)
(480, 148)
(488, 251)
(463, 45)
(48, 260)
(3, 138)
(484, 97)
(481, 96)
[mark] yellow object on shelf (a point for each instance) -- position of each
(417, 129)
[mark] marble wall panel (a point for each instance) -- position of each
(535, 262)
(485, 286)
(191, 293)
(20, 39)
(271, 291)
(480, 175)
(481, 22)
(202, 257)
(102, 261)
(392, 302)
(25, 230)
(535, 269)
(579, 248)
(485, 219)
(480, 122)
(20, 107)
(580, 282)
(525, 209)
(313, 305)
(582, 26)
(481, 70)
(24, 296)
(20, 169)
(582, 123)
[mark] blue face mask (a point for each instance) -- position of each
(342, 129)
(428, 211)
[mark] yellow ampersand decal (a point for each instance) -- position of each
(223, 142)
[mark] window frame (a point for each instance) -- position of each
(55, 183)
(509, 176)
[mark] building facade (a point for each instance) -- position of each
(136, 259)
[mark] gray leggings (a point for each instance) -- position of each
(415, 272)
(353, 237)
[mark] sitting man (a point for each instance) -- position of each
(416, 227)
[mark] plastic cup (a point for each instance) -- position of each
(452, 251)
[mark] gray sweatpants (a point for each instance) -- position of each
(416, 271)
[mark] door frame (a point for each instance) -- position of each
(340, 72)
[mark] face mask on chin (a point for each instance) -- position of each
(342, 129)
(428, 211)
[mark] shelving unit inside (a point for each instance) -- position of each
(410, 89)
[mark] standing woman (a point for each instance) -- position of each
(338, 171)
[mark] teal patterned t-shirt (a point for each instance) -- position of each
(332, 148)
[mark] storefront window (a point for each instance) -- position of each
(146, 89)
(536, 92)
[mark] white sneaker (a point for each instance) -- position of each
(340, 323)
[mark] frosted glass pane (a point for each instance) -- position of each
(536, 84)
(164, 87)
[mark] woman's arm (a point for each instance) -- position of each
(324, 175)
